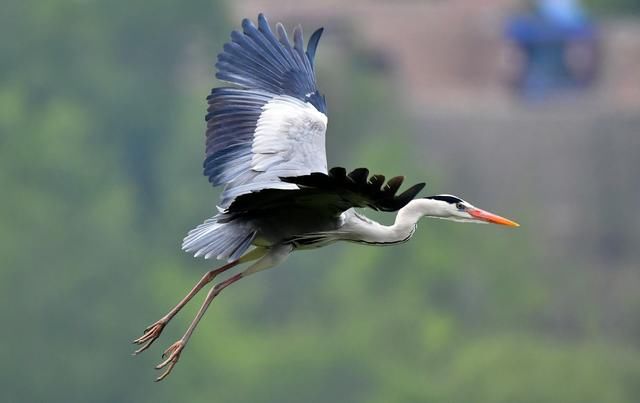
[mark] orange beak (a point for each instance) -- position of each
(491, 218)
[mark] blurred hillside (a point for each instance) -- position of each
(101, 142)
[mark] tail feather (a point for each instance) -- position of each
(226, 240)
(242, 247)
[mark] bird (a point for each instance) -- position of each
(265, 146)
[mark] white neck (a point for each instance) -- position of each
(409, 215)
(372, 232)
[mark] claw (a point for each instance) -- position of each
(151, 334)
(173, 355)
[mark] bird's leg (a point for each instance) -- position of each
(152, 332)
(268, 260)
(172, 354)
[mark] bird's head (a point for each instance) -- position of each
(449, 207)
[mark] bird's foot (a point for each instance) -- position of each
(172, 355)
(151, 333)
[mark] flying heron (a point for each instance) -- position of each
(265, 144)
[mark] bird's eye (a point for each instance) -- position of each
(461, 206)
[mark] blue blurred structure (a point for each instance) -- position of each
(559, 47)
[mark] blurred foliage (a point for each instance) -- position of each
(101, 118)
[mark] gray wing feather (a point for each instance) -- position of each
(271, 124)
(274, 124)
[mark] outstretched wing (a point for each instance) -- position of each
(328, 194)
(272, 123)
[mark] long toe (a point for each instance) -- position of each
(172, 355)
(150, 335)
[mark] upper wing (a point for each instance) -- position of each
(272, 124)
(328, 194)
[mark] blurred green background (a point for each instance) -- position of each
(101, 144)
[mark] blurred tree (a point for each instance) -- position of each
(91, 99)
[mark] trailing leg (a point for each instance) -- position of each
(172, 354)
(152, 332)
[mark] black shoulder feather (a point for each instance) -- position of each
(330, 193)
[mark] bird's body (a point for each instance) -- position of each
(314, 214)
(265, 144)
(350, 226)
